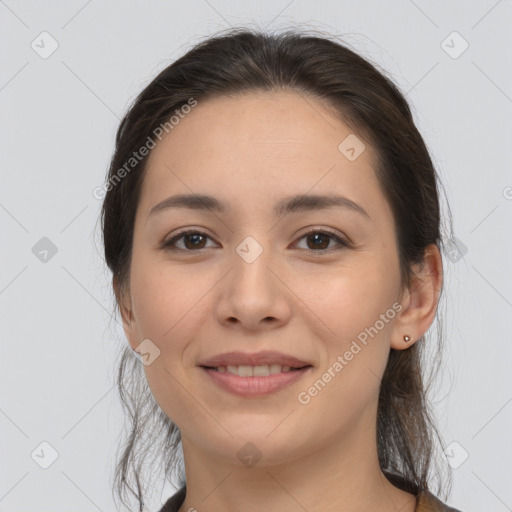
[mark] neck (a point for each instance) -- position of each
(344, 475)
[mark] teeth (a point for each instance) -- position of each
(233, 370)
(260, 371)
(275, 368)
(254, 371)
(245, 371)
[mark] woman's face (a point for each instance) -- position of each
(315, 282)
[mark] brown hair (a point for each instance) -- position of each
(372, 106)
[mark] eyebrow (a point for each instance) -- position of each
(291, 204)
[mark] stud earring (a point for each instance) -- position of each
(407, 338)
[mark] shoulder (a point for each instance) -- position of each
(427, 502)
(175, 501)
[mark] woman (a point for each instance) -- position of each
(272, 223)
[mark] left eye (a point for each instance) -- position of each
(195, 240)
(321, 240)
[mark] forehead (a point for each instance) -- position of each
(282, 120)
(268, 143)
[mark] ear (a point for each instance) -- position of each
(419, 301)
(125, 309)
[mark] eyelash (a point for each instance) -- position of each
(342, 244)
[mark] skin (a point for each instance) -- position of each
(250, 151)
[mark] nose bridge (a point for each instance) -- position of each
(251, 250)
(252, 293)
(251, 261)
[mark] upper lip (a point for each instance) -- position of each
(255, 359)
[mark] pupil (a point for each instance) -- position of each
(316, 237)
(194, 237)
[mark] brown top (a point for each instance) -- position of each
(426, 502)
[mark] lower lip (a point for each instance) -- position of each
(255, 386)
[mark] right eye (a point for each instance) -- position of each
(192, 239)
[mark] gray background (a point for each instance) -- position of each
(59, 116)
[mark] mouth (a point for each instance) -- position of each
(247, 383)
(254, 375)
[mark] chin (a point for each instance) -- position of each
(262, 445)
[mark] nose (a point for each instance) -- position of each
(253, 295)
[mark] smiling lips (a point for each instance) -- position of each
(254, 374)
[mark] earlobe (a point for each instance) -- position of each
(124, 310)
(402, 337)
(423, 296)
(405, 342)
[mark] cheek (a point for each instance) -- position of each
(356, 313)
(168, 311)
(166, 305)
(349, 299)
